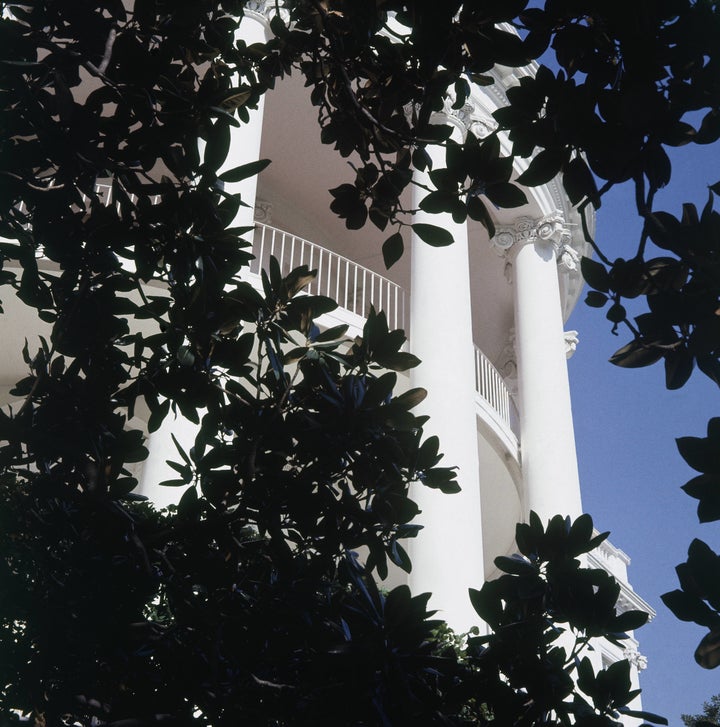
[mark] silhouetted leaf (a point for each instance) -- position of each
(432, 234)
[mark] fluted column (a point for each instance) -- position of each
(549, 463)
(447, 554)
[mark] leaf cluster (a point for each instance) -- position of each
(246, 603)
(543, 611)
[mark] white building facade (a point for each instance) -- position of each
(485, 316)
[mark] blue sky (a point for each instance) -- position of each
(626, 423)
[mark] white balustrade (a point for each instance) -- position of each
(490, 384)
(354, 287)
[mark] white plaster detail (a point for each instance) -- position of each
(568, 258)
(263, 212)
(472, 118)
(551, 229)
(267, 9)
(503, 240)
(638, 660)
(508, 364)
(571, 343)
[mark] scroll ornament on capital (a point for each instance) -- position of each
(551, 229)
(268, 8)
(471, 117)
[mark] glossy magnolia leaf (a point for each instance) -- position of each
(580, 535)
(706, 489)
(398, 361)
(427, 455)
(244, 171)
(477, 210)
(702, 455)
(707, 653)
(596, 299)
(650, 716)
(708, 509)
(595, 274)
(658, 168)
(678, 134)
(543, 167)
(579, 181)
(439, 201)
(399, 556)
(679, 364)
(218, 145)
(441, 478)
(157, 415)
(393, 249)
(505, 194)
(379, 390)
(616, 313)
(629, 621)
(516, 565)
(710, 366)
(411, 398)
(432, 234)
(487, 603)
(295, 281)
(688, 607)
(709, 130)
(331, 334)
(636, 354)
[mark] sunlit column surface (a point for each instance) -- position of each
(448, 552)
(549, 464)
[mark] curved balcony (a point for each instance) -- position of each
(356, 288)
(495, 404)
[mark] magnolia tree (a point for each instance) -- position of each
(247, 603)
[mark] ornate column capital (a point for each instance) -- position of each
(265, 10)
(550, 229)
(470, 117)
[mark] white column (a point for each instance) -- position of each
(160, 449)
(245, 140)
(547, 441)
(447, 554)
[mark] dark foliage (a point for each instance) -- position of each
(247, 604)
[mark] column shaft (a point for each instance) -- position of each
(447, 554)
(549, 462)
(245, 140)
